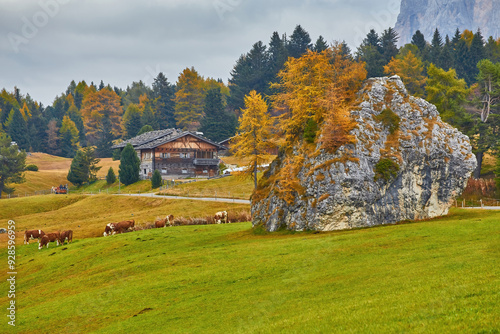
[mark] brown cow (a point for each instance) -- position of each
(44, 240)
(114, 228)
(32, 234)
(221, 217)
(66, 236)
(49, 237)
(108, 230)
(163, 222)
(55, 236)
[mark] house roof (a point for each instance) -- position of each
(154, 139)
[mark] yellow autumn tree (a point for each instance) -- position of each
(98, 105)
(411, 70)
(316, 89)
(25, 111)
(253, 137)
(189, 99)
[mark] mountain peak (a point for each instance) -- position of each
(447, 16)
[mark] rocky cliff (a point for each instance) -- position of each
(447, 16)
(407, 164)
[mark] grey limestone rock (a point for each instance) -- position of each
(344, 191)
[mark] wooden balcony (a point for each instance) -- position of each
(206, 162)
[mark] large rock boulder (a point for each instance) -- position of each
(391, 174)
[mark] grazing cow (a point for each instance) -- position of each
(114, 228)
(66, 236)
(32, 234)
(108, 230)
(55, 236)
(44, 240)
(221, 217)
(163, 222)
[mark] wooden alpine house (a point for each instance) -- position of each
(176, 154)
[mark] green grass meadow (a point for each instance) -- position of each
(436, 276)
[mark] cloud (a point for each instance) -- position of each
(124, 41)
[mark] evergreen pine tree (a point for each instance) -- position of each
(277, 56)
(104, 139)
(111, 176)
(131, 121)
(320, 45)
(418, 40)
(492, 50)
(476, 54)
(217, 125)
(446, 57)
(78, 171)
(17, 129)
(436, 48)
(164, 93)
(148, 118)
(251, 72)
(128, 171)
(156, 179)
(370, 52)
(13, 163)
(389, 44)
(299, 43)
(83, 167)
(67, 147)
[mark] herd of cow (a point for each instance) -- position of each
(44, 239)
(110, 229)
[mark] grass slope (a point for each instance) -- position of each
(439, 276)
(227, 187)
(88, 215)
(52, 171)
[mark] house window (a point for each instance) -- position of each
(185, 155)
(184, 171)
(164, 171)
(205, 171)
(145, 171)
(165, 155)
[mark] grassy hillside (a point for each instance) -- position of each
(439, 276)
(88, 215)
(52, 171)
(228, 187)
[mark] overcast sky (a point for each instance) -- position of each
(44, 44)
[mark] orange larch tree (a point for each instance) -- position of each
(98, 105)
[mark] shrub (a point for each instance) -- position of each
(156, 179)
(310, 131)
(386, 169)
(32, 168)
(389, 119)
